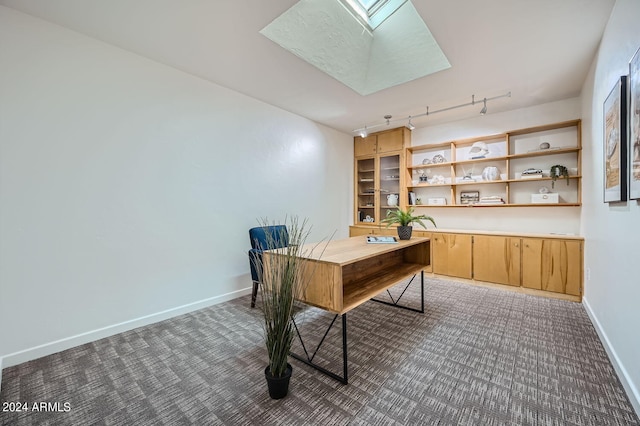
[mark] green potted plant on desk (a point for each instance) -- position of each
(404, 219)
(282, 280)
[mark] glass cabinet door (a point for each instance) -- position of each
(388, 184)
(366, 189)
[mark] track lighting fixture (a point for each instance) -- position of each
(363, 131)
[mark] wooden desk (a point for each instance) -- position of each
(349, 272)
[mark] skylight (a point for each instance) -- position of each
(373, 12)
(326, 34)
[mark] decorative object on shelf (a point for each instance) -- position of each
(404, 219)
(545, 145)
(543, 190)
(437, 201)
(367, 219)
(392, 199)
(412, 198)
(418, 201)
(615, 143)
(531, 173)
(283, 281)
(426, 161)
(490, 173)
(478, 150)
(439, 159)
(423, 176)
(438, 180)
(469, 197)
(634, 127)
(558, 171)
(550, 198)
(468, 176)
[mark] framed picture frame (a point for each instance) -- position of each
(634, 127)
(469, 197)
(615, 143)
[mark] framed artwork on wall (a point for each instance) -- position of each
(634, 127)
(615, 143)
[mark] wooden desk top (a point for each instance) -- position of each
(354, 249)
(342, 274)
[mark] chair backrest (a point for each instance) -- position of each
(279, 236)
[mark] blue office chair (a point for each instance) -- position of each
(278, 237)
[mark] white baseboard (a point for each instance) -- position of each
(91, 336)
(627, 383)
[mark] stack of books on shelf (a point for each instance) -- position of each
(491, 200)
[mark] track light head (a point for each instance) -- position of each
(363, 132)
(410, 125)
(483, 111)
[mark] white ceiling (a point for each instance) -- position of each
(540, 50)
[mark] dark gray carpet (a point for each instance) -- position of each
(478, 356)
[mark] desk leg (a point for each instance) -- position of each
(309, 359)
(395, 302)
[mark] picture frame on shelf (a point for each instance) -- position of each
(469, 197)
(634, 126)
(615, 143)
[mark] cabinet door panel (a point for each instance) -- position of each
(390, 141)
(364, 146)
(452, 255)
(552, 265)
(496, 259)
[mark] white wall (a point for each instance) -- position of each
(127, 187)
(612, 295)
(563, 220)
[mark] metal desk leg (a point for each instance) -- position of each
(395, 302)
(309, 359)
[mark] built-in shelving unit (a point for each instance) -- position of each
(488, 171)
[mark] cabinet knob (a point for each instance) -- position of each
(516, 244)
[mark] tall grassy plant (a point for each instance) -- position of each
(282, 282)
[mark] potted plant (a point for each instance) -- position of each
(404, 219)
(558, 171)
(282, 280)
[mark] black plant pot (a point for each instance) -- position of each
(404, 232)
(278, 386)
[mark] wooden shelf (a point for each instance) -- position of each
(358, 291)
(511, 152)
(464, 206)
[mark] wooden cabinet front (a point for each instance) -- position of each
(355, 231)
(496, 259)
(364, 146)
(552, 265)
(392, 140)
(382, 142)
(452, 254)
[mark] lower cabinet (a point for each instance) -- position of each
(451, 254)
(549, 264)
(496, 259)
(552, 265)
